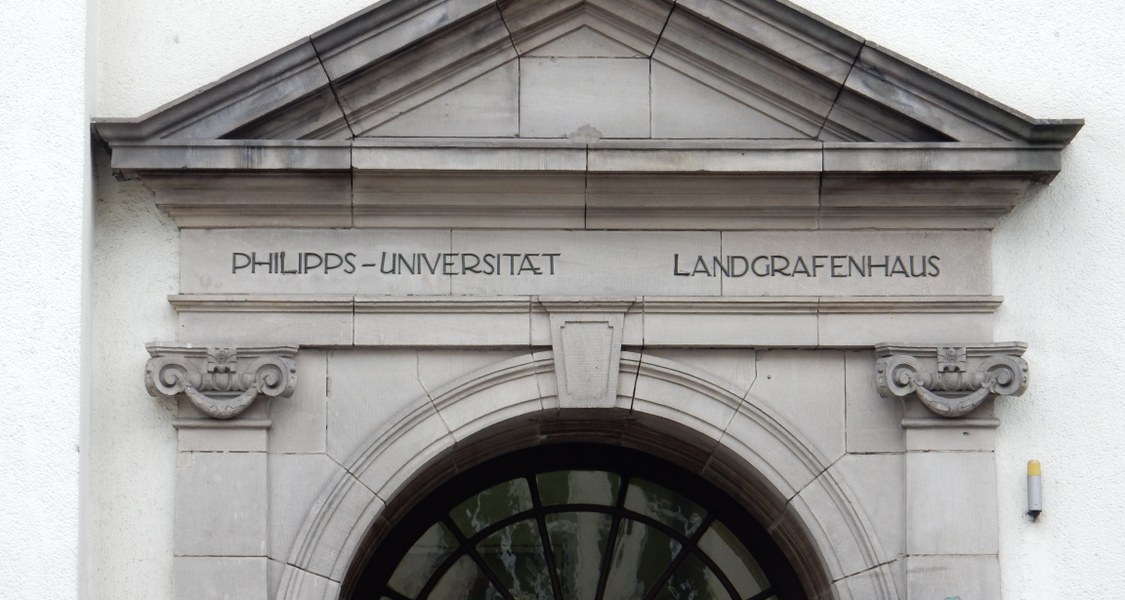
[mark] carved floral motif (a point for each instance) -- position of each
(951, 381)
(221, 382)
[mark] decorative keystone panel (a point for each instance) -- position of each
(221, 382)
(951, 381)
(586, 340)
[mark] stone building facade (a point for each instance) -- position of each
(703, 295)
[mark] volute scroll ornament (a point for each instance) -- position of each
(221, 382)
(952, 380)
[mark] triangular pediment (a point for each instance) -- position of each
(588, 69)
(618, 114)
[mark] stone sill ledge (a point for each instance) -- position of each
(524, 321)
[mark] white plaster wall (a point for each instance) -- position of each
(1058, 261)
(44, 167)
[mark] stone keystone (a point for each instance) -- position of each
(221, 382)
(951, 380)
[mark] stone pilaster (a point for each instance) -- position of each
(952, 535)
(221, 521)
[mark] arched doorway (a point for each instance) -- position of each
(580, 522)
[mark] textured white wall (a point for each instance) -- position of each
(1057, 260)
(44, 166)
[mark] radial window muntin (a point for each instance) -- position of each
(480, 536)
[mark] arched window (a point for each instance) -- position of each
(577, 522)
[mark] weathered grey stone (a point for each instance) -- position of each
(487, 106)
(330, 536)
(315, 261)
(221, 505)
(675, 392)
(365, 389)
(221, 382)
(565, 97)
(220, 578)
(300, 422)
(718, 201)
(298, 584)
(951, 380)
(442, 322)
(371, 94)
(236, 319)
(586, 341)
(878, 484)
(737, 369)
(730, 322)
(834, 263)
(856, 326)
(207, 435)
(643, 263)
(295, 482)
(808, 389)
(951, 503)
(470, 200)
(492, 395)
(724, 117)
(585, 28)
(953, 577)
(874, 423)
(441, 369)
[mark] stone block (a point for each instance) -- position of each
(850, 263)
(439, 369)
(951, 503)
(857, 330)
(685, 107)
(643, 197)
(295, 482)
(841, 533)
(326, 327)
(461, 198)
(971, 435)
(875, 584)
(487, 106)
(477, 400)
(562, 97)
(735, 370)
(344, 510)
(300, 421)
(682, 324)
(965, 577)
(366, 389)
(298, 584)
(676, 392)
(874, 422)
(220, 578)
(208, 435)
(758, 436)
(588, 263)
(221, 505)
(807, 388)
(877, 483)
(315, 261)
(405, 443)
(442, 322)
(632, 331)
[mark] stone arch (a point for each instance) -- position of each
(664, 407)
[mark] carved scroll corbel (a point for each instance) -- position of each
(221, 382)
(951, 381)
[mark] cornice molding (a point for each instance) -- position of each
(221, 382)
(951, 380)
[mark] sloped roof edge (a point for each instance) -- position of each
(311, 67)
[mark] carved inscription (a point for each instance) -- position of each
(817, 265)
(393, 263)
(434, 262)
